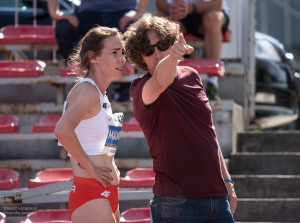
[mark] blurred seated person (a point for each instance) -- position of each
(206, 19)
(111, 13)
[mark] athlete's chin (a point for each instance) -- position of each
(118, 76)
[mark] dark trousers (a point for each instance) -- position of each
(182, 210)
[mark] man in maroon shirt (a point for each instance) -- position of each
(192, 183)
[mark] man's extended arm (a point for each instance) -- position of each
(165, 71)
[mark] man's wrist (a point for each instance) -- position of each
(229, 181)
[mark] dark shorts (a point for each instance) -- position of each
(193, 21)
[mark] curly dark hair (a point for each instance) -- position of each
(136, 37)
(92, 41)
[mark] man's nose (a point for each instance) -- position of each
(156, 52)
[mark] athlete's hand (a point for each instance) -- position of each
(180, 48)
(101, 174)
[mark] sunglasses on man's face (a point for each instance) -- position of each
(162, 45)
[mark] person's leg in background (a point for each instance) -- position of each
(87, 21)
(65, 33)
(212, 23)
(207, 26)
(112, 19)
(120, 91)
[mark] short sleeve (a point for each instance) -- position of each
(140, 110)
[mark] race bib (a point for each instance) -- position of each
(115, 122)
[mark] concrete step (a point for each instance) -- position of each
(265, 163)
(275, 141)
(268, 210)
(267, 186)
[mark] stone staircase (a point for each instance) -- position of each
(266, 172)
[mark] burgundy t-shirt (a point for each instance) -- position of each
(182, 140)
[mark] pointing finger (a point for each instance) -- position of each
(181, 39)
(190, 49)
